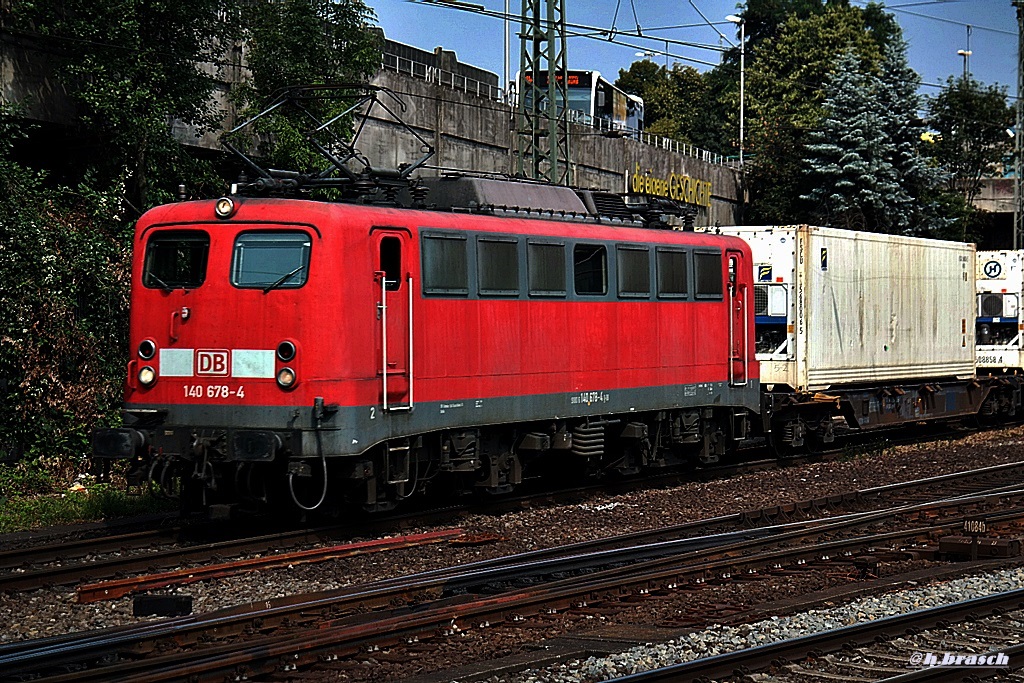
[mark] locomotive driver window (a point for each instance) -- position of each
(270, 260)
(176, 259)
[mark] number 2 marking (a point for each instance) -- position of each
(373, 412)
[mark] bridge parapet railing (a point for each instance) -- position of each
(472, 86)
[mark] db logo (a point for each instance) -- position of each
(211, 362)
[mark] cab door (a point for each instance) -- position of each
(739, 325)
(393, 284)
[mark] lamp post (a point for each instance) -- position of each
(966, 54)
(743, 51)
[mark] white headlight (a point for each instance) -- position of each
(147, 376)
(224, 207)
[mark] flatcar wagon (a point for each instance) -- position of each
(308, 352)
(858, 331)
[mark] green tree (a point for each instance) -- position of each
(640, 76)
(303, 42)
(785, 102)
(849, 161)
(918, 173)
(864, 162)
(971, 120)
(133, 66)
(674, 99)
(63, 288)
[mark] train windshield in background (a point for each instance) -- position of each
(598, 102)
(176, 259)
(271, 260)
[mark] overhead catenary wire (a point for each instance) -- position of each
(591, 32)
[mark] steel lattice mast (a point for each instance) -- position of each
(542, 117)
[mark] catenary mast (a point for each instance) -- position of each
(542, 117)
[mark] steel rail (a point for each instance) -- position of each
(116, 588)
(650, 574)
(18, 558)
(287, 652)
(752, 659)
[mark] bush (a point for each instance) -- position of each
(64, 278)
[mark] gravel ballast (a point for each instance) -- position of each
(55, 611)
(721, 639)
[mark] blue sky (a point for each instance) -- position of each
(935, 30)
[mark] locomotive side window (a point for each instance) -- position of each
(546, 262)
(270, 260)
(176, 259)
(707, 268)
(445, 269)
(590, 268)
(634, 267)
(672, 273)
(391, 262)
(498, 266)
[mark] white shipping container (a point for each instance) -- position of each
(836, 308)
(1000, 287)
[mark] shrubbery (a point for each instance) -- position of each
(64, 276)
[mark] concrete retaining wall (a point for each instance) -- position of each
(470, 132)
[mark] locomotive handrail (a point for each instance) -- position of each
(746, 335)
(409, 280)
(383, 307)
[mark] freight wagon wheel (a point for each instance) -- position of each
(788, 437)
(779, 447)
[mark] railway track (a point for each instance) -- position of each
(307, 630)
(905, 648)
(94, 561)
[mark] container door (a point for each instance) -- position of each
(739, 326)
(393, 285)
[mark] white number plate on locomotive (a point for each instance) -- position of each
(213, 391)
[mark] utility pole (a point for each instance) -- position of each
(1018, 137)
(542, 120)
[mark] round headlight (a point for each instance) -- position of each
(286, 377)
(224, 207)
(147, 376)
(147, 349)
(286, 351)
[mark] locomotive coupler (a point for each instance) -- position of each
(118, 444)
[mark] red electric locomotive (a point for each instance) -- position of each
(285, 347)
(314, 352)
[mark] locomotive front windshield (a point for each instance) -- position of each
(270, 260)
(176, 259)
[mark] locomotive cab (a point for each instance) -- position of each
(218, 338)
